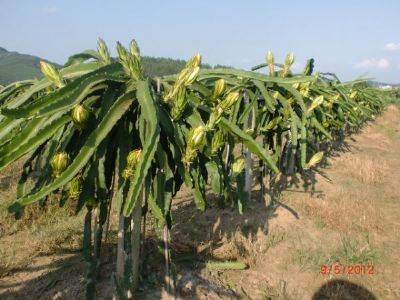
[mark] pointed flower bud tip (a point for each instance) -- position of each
(289, 59)
(270, 58)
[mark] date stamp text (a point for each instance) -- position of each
(338, 269)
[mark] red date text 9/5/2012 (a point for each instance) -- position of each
(338, 269)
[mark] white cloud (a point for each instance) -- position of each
(392, 46)
(373, 63)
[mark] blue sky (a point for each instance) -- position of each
(350, 38)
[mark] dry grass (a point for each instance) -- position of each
(364, 169)
(344, 250)
(349, 201)
(39, 231)
(279, 292)
(241, 247)
(344, 211)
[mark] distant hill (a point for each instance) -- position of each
(15, 66)
(160, 66)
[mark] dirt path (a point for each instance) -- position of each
(353, 218)
(348, 216)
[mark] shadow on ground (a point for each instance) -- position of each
(343, 289)
(217, 234)
(60, 276)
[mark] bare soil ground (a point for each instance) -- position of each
(344, 214)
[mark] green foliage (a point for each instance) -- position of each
(296, 111)
(169, 123)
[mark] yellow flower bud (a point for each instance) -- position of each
(59, 163)
(304, 88)
(179, 103)
(353, 95)
(316, 102)
(51, 73)
(197, 137)
(195, 140)
(80, 116)
(219, 88)
(194, 61)
(229, 100)
(217, 142)
(238, 165)
(131, 162)
(274, 122)
(315, 159)
(270, 63)
(275, 95)
(75, 187)
(189, 156)
(133, 158)
(289, 60)
(191, 76)
(127, 173)
(270, 58)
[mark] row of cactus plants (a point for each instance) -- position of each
(99, 131)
